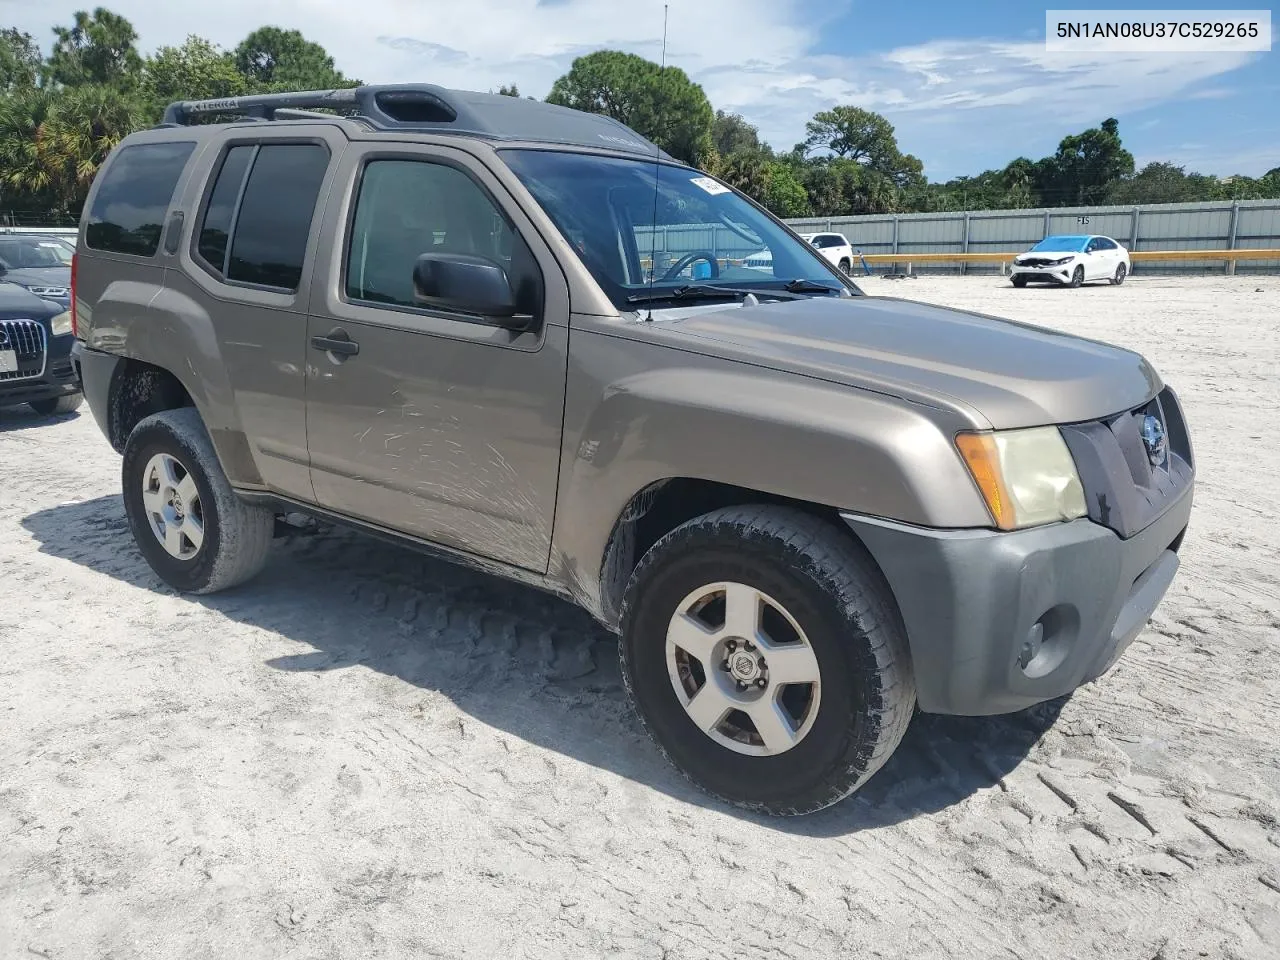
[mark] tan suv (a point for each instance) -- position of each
(524, 338)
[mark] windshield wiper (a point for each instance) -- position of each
(801, 285)
(701, 291)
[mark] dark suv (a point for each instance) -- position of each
(35, 353)
(524, 338)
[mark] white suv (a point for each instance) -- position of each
(834, 247)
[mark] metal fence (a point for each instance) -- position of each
(1171, 226)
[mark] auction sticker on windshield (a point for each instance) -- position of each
(709, 185)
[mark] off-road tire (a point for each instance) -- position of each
(57, 406)
(828, 582)
(1018, 281)
(1120, 274)
(237, 535)
(1077, 276)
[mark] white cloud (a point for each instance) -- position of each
(752, 56)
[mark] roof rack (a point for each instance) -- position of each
(427, 107)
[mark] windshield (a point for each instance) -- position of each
(23, 253)
(693, 230)
(1060, 245)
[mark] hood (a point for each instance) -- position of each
(56, 277)
(997, 372)
(16, 302)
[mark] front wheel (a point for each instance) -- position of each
(1077, 277)
(1019, 281)
(766, 658)
(846, 267)
(1121, 273)
(189, 524)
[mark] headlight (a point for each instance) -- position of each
(49, 291)
(1061, 260)
(61, 324)
(1026, 477)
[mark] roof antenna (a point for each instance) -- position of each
(657, 156)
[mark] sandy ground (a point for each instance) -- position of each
(367, 754)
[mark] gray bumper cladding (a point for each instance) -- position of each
(96, 370)
(1000, 621)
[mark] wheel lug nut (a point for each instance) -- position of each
(731, 646)
(741, 685)
(724, 665)
(762, 683)
(760, 661)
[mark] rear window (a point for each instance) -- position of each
(255, 230)
(129, 208)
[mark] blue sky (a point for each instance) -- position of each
(968, 86)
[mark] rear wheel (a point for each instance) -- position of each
(57, 406)
(765, 656)
(1121, 273)
(846, 267)
(188, 522)
(1077, 277)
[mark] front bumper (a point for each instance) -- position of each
(998, 622)
(57, 376)
(1060, 274)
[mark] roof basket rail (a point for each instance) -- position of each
(384, 107)
(424, 107)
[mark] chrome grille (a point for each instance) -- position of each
(26, 338)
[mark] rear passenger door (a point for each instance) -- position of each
(247, 268)
(439, 424)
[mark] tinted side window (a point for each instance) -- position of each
(275, 213)
(407, 208)
(129, 208)
(218, 216)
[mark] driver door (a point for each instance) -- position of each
(431, 422)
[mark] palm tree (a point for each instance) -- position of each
(53, 141)
(26, 168)
(85, 125)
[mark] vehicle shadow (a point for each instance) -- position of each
(495, 648)
(24, 418)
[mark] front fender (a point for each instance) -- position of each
(778, 433)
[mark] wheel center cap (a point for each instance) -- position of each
(744, 666)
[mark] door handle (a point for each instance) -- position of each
(338, 343)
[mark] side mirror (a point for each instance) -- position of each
(456, 281)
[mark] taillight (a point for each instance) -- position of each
(75, 329)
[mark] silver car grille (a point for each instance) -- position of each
(27, 339)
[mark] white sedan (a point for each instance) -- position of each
(1070, 260)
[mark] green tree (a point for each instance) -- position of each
(785, 195)
(28, 174)
(662, 104)
(98, 49)
(509, 90)
(730, 133)
(274, 59)
(53, 141)
(20, 60)
(1163, 183)
(197, 70)
(1085, 168)
(853, 134)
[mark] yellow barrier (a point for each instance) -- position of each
(1227, 256)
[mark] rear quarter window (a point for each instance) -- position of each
(137, 187)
